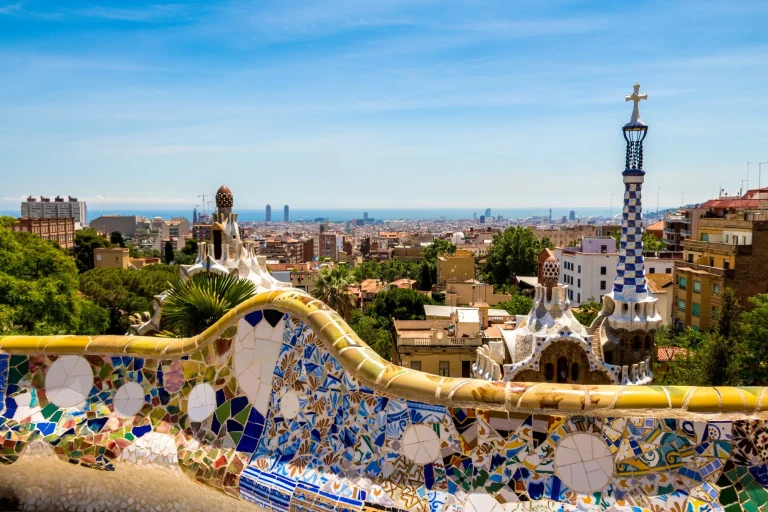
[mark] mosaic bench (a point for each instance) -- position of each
(280, 406)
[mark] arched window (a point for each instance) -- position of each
(647, 342)
(549, 371)
(636, 343)
(575, 372)
(562, 370)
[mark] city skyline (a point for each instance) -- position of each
(376, 105)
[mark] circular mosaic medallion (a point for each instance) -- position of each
(583, 462)
(421, 444)
(69, 381)
(129, 399)
(202, 402)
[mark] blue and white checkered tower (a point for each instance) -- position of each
(634, 308)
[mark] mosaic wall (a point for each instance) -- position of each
(275, 406)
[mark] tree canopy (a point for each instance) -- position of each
(38, 289)
(513, 252)
(400, 304)
(86, 240)
(519, 304)
(116, 238)
(587, 312)
(123, 292)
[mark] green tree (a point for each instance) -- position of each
(180, 258)
(375, 336)
(168, 258)
(367, 270)
(545, 243)
(719, 355)
(116, 238)
(398, 303)
(196, 303)
(7, 222)
(190, 247)
(753, 354)
(438, 246)
(122, 292)
(86, 240)
(138, 252)
(587, 312)
(332, 287)
(513, 252)
(38, 289)
(425, 282)
(519, 304)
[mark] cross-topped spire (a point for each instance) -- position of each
(636, 97)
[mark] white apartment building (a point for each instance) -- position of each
(45, 208)
(589, 270)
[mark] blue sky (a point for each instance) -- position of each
(355, 103)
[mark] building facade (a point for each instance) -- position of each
(60, 230)
(286, 214)
(59, 207)
(330, 245)
(732, 252)
(459, 266)
(268, 214)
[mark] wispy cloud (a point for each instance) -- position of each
(11, 8)
(145, 14)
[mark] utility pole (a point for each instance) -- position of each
(759, 176)
(747, 176)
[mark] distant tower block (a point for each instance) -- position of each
(268, 216)
(487, 213)
(286, 214)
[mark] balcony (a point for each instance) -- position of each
(446, 341)
(727, 273)
(717, 247)
(686, 232)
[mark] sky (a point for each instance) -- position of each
(378, 104)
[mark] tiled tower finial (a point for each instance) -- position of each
(630, 271)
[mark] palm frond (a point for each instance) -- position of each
(198, 302)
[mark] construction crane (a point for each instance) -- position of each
(203, 196)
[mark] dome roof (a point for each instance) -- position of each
(224, 197)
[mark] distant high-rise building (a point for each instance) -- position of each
(487, 212)
(286, 214)
(572, 215)
(268, 217)
(482, 219)
(550, 215)
(365, 215)
(194, 215)
(44, 208)
(474, 216)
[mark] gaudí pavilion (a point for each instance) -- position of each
(279, 406)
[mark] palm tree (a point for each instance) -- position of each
(196, 303)
(332, 287)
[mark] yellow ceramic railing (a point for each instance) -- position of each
(362, 362)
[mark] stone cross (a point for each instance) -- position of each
(636, 97)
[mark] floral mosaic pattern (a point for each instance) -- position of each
(267, 414)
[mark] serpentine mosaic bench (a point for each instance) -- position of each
(281, 405)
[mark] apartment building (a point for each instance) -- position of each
(459, 266)
(731, 252)
(58, 208)
(60, 230)
(330, 245)
(565, 236)
(445, 346)
(590, 269)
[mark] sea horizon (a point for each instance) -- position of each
(348, 214)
